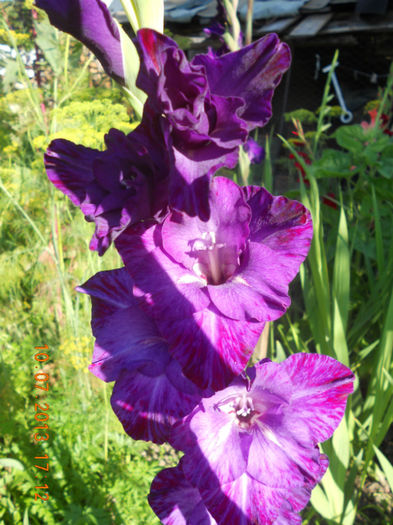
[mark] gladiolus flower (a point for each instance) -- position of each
(252, 448)
(212, 285)
(211, 104)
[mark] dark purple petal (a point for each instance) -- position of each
(70, 168)
(125, 184)
(148, 405)
(176, 501)
(161, 57)
(150, 393)
(252, 74)
(192, 173)
(90, 22)
(125, 337)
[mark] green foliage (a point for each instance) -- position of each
(22, 39)
(97, 474)
(347, 286)
(305, 116)
(86, 122)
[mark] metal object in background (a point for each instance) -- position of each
(347, 116)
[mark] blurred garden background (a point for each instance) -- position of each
(342, 302)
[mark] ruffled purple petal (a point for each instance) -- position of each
(125, 184)
(205, 128)
(176, 501)
(180, 90)
(252, 74)
(284, 225)
(160, 58)
(90, 22)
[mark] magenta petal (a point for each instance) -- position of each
(283, 225)
(125, 337)
(219, 452)
(176, 501)
(321, 387)
(148, 406)
(245, 448)
(287, 516)
(258, 290)
(211, 348)
(90, 22)
(270, 464)
(183, 236)
(244, 501)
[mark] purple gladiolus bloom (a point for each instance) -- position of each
(150, 393)
(252, 448)
(123, 185)
(208, 121)
(212, 285)
(90, 22)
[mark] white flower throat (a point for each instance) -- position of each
(216, 261)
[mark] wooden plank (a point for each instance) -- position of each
(342, 2)
(357, 25)
(310, 25)
(278, 25)
(315, 6)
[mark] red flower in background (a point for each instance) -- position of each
(383, 123)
